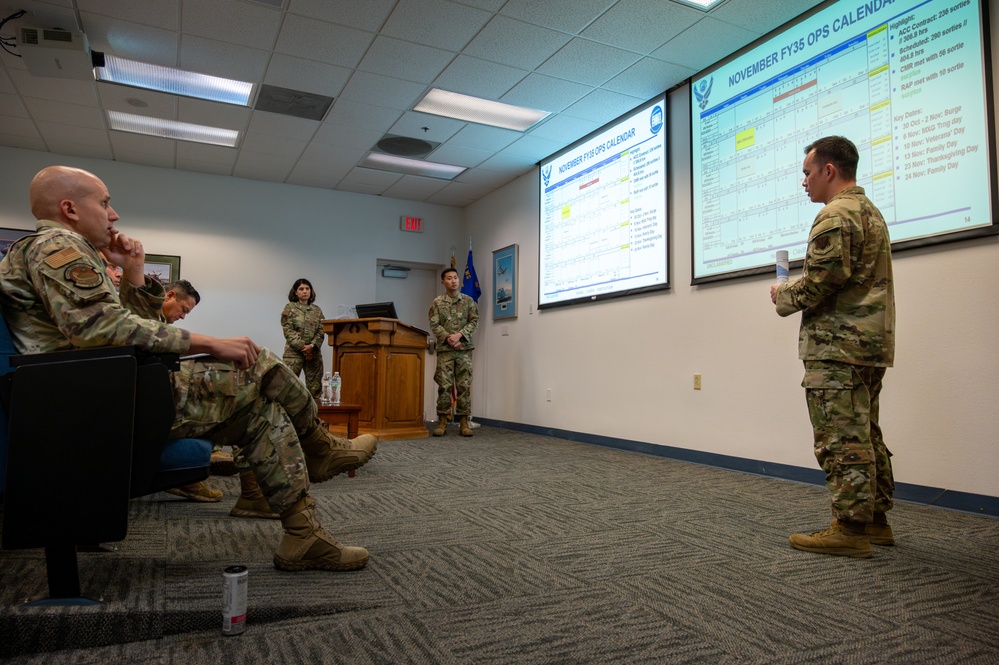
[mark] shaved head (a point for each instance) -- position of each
(76, 199)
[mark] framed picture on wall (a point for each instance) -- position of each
(8, 236)
(162, 267)
(505, 283)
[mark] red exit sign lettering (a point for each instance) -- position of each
(412, 224)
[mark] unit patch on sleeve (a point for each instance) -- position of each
(84, 276)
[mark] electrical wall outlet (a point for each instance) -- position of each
(697, 382)
(548, 395)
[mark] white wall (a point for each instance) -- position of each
(624, 368)
(243, 243)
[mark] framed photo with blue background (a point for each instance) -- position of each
(505, 283)
(8, 236)
(162, 267)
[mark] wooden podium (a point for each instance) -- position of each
(381, 363)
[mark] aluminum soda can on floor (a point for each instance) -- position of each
(234, 600)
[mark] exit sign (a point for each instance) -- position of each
(411, 224)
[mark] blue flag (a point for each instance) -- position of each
(470, 283)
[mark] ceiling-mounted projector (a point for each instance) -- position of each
(52, 52)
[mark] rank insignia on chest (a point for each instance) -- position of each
(84, 276)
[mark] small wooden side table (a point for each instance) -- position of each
(342, 414)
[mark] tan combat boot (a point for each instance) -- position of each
(327, 455)
(202, 492)
(879, 531)
(441, 428)
(306, 546)
(466, 428)
(841, 538)
(251, 501)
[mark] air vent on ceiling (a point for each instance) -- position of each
(292, 102)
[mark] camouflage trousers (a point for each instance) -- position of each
(261, 412)
(313, 369)
(454, 368)
(843, 404)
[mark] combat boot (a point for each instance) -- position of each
(841, 538)
(465, 426)
(251, 501)
(306, 546)
(327, 455)
(201, 492)
(879, 531)
(441, 428)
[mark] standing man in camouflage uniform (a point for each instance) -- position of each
(846, 297)
(454, 317)
(55, 295)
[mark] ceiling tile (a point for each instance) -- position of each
(138, 149)
(209, 56)
(82, 93)
(420, 21)
(545, 93)
(366, 88)
(569, 17)
(457, 155)
(131, 100)
(73, 134)
(399, 59)
(601, 104)
(318, 78)
(326, 42)
(761, 16)
(283, 126)
(134, 41)
(484, 136)
(479, 78)
(347, 115)
(22, 127)
(199, 152)
(647, 78)
(603, 62)
(232, 21)
(213, 114)
(263, 166)
(157, 13)
(74, 149)
(516, 43)
(642, 26)
(365, 176)
(439, 128)
(415, 188)
(368, 15)
(332, 156)
(704, 43)
(65, 114)
(275, 146)
(11, 105)
(565, 129)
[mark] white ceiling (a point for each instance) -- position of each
(585, 61)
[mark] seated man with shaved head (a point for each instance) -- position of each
(56, 296)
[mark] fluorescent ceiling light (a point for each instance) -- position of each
(171, 129)
(174, 81)
(377, 160)
(482, 111)
(701, 4)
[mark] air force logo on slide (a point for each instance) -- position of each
(546, 173)
(656, 119)
(702, 90)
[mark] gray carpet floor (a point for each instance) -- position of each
(516, 548)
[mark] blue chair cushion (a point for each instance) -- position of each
(185, 454)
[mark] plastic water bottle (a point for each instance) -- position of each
(782, 270)
(326, 399)
(335, 389)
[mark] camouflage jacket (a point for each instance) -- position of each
(302, 324)
(846, 293)
(55, 296)
(450, 315)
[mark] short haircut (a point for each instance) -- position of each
(293, 297)
(838, 151)
(447, 270)
(184, 289)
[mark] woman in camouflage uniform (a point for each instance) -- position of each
(302, 322)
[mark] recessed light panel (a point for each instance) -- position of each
(482, 111)
(174, 81)
(172, 129)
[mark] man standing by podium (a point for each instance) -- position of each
(454, 318)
